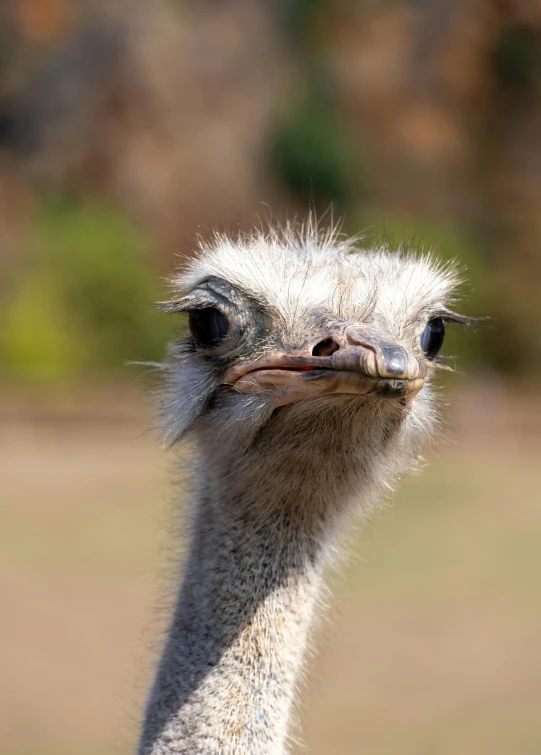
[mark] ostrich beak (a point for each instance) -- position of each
(357, 361)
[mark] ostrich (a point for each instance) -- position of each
(304, 386)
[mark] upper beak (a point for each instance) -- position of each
(357, 361)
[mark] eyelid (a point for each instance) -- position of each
(454, 318)
(194, 300)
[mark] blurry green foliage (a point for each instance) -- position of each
(309, 151)
(310, 156)
(298, 16)
(517, 56)
(86, 304)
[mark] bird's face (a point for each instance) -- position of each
(296, 321)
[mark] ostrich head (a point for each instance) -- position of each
(308, 360)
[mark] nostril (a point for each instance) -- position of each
(325, 348)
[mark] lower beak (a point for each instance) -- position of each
(386, 371)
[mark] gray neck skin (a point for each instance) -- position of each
(227, 676)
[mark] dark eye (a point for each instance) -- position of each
(433, 337)
(208, 326)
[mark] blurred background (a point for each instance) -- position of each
(126, 130)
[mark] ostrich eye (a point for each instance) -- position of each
(433, 337)
(208, 326)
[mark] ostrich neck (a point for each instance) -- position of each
(228, 673)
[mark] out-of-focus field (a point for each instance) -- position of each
(434, 643)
